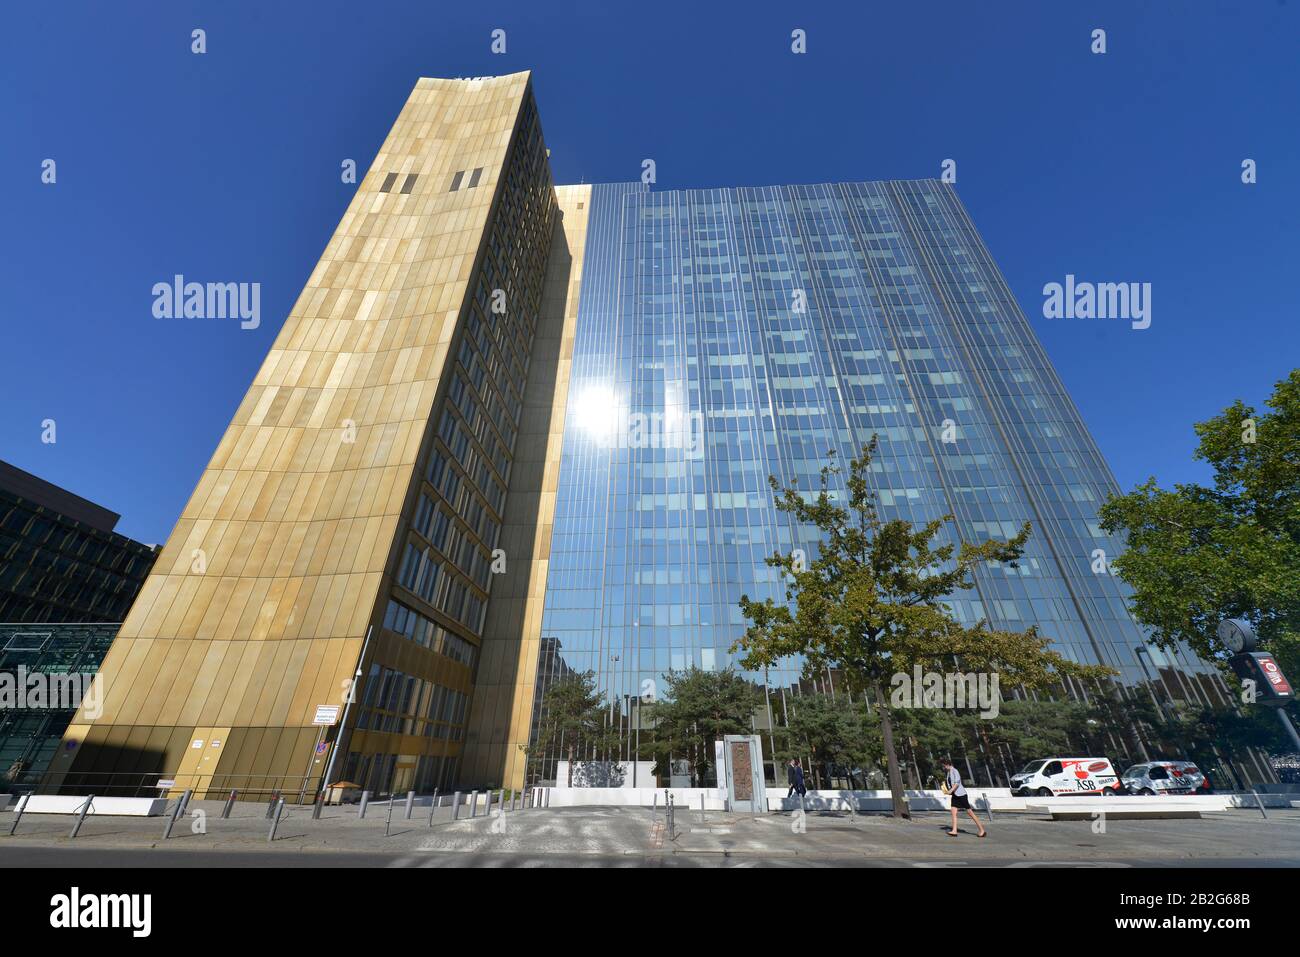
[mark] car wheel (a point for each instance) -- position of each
(1043, 793)
(1147, 791)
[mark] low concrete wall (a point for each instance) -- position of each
(71, 804)
(981, 799)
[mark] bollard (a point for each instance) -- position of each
(515, 800)
(473, 804)
(410, 803)
(487, 803)
(433, 807)
(1259, 803)
(270, 807)
(654, 808)
(501, 800)
(988, 806)
(389, 822)
(317, 805)
(185, 802)
(171, 821)
(230, 803)
(275, 822)
(701, 808)
(455, 806)
(365, 802)
(85, 809)
(18, 813)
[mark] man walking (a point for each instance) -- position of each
(952, 785)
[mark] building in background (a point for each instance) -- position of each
(50, 666)
(765, 327)
(60, 559)
(512, 432)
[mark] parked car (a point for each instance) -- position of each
(1061, 776)
(1165, 777)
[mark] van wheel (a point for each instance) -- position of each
(1110, 792)
(1043, 793)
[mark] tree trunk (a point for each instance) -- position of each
(891, 756)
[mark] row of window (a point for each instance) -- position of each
(423, 574)
(460, 177)
(437, 525)
(459, 494)
(397, 703)
(411, 624)
(391, 179)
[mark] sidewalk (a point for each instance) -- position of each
(638, 831)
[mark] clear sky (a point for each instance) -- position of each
(1121, 167)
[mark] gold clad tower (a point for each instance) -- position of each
(351, 517)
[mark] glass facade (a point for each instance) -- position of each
(30, 735)
(54, 567)
(731, 334)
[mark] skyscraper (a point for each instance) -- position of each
(512, 431)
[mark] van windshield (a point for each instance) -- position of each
(1033, 766)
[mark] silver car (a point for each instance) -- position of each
(1165, 777)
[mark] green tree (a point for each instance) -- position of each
(831, 732)
(699, 707)
(574, 721)
(1199, 554)
(873, 603)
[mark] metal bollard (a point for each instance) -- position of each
(988, 806)
(501, 799)
(270, 807)
(473, 804)
(185, 802)
(18, 813)
(317, 805)
(171, 821)
(85, 809)
(455, 806)
(410, 803)
(433, 807)
(230, 803)
(701, 808)
(275, 823)
(365, 803)
(654, 807)
(389, 822)
(1259, 803)
(514, 800)
(487, 803)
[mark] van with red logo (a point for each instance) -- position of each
(1057, 777)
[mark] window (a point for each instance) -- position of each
(473, 177)
(455, 181)
(410, 181)
(389, 180)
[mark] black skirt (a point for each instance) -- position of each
(961, 801)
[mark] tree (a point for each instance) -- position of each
(1199, 554)
(574, 720)
(832, 732)
(698, 708)
(872, 603)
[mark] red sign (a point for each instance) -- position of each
(1276, 680)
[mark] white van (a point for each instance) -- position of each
(1060, 776)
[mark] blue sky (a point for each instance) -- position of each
(225, 167)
